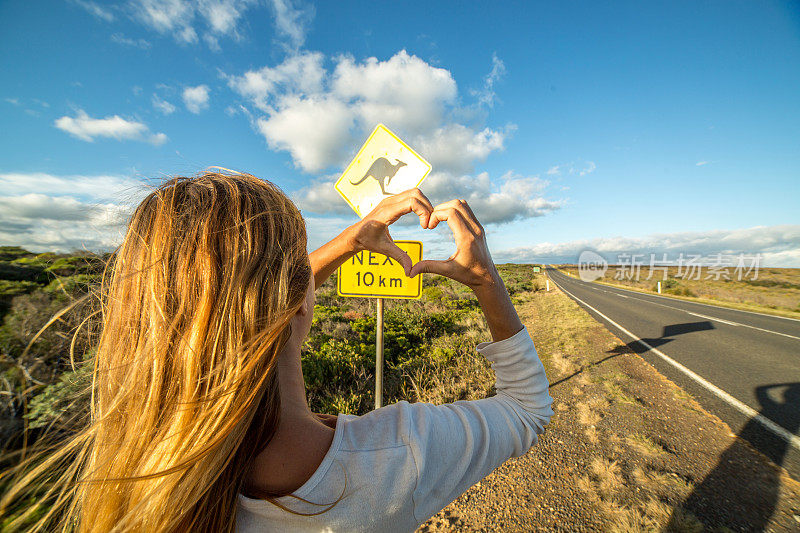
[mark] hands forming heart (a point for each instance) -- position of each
(471, 264)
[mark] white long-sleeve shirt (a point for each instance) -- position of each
(397, 466)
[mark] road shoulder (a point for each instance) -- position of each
(627, 450)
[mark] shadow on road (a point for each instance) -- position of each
(670, 331)
(742, 490)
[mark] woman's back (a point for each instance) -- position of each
(393, 468)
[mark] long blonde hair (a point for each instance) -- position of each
(196, 307)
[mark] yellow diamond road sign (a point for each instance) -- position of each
(384, 166)
(379, 276)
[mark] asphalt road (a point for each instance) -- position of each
(743, 367)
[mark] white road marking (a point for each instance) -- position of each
(743, 408)
(590, 285)
(716, 319)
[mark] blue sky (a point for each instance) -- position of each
(665, 127)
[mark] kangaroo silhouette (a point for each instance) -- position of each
(381, 171)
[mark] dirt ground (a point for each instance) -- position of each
(627, 450)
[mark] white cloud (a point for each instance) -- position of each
(184, 20)
(88, 129)
(103, 187)
(315, 131)
(222, 16)
(12, 101)
(299, 75)
(456, 147)
(196, 98)
(46, 212)
(588, 169)
(95, 9)
(40, 223)
(212, 42)
(778, 245)
(701, 163)
(292, 22)
(320, 196)
(120, 38)
(571, 168)
(42, 207)
(512, 197)
(403, 91)
(173, 17)
(487, 96)
(412, 97)
(162, 105)
(187, 20)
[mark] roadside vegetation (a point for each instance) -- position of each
(773, 291)
(49, 321)
(622, 452)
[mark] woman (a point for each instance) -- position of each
(199, 414)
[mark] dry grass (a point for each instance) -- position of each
(586, 415)
(775, 291)
(644, 445)
(563, 363)
(585, 485)
(607, 475)
(651, 516)
(664, 484)
(617, 393)
(583, 379)
(591, 434)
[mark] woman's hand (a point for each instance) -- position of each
(471, 264)
(372, 232)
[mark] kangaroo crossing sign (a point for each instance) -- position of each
(384, 166)
(376, 275)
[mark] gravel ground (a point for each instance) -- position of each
(627, 450)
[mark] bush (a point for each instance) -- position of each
(64, 400)
(673, 286)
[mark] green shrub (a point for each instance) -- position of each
(64, 400)
(77, 264)
(11, 253)
(432, 293)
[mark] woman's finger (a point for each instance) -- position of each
(455, 220)
(470, 216)
(432, 266)
(463, 207)
(399, 205)
(389, 248)
(419, 195)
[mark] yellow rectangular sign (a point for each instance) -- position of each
(374, 275)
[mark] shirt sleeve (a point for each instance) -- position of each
(456, 445)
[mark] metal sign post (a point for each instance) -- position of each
(384, 166)
(379, 356)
